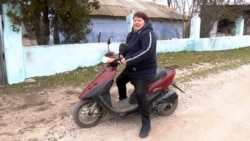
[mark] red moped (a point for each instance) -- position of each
(95, 99)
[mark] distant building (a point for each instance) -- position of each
(220, 20)
(110, 20)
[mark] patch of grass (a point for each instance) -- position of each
(78, 77)
(185, 60)
(220, 60)
(205, 73)
(188, 59)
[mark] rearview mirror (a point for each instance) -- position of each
(109, 41)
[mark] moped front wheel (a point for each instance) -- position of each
(87, 113)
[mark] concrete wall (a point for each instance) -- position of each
(25, 62)
(13, 50)
(2, 66)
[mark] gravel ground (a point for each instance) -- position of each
(214, 108)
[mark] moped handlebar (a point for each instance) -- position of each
(111, 58)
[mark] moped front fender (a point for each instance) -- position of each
(100, 82)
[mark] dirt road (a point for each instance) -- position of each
(213, 109)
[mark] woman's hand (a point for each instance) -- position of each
(123, 61)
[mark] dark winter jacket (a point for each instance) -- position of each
(141, 53)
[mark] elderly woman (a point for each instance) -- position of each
(140, 61)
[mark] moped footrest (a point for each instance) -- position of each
(124, 105)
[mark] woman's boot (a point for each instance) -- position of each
(145, 126)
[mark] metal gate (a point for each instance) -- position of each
(2, 62)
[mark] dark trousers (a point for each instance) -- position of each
(140, 88)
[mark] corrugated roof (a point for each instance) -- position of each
(121, 8)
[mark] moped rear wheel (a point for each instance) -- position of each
(87, 114)
(167, 106)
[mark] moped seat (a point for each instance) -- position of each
(160, 72)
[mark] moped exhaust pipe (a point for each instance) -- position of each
(177, 87)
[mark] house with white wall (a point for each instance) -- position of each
(24, 62)
(110, 20)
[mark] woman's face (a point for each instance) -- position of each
(138, 23)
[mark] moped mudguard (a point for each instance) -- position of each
(171, 95)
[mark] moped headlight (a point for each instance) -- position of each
(107, 59)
